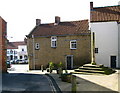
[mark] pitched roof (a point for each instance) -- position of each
(63, 28)
(14, 45)
(109, 13)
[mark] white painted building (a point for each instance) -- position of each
(105, 24)
(17, 51)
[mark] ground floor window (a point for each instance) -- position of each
(15, 57)
(25, 57)
(21, 57)
(11, 57)
(8, 58)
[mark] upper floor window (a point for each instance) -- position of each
(96, 50)
(73, 44)
(22, 49)
(37, 46)
(53, 41)
(7, 52)
(11, 51)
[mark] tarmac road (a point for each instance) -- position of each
(19, 82)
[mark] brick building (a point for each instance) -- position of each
(3, 43)
(66, 42)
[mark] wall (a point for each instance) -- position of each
(3, 42)
(106, 40)
(22, 53)
(119, 45)
(46, 54)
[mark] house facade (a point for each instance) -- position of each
(17, 51)
(105, 25)
(66, 42)
(3, 44)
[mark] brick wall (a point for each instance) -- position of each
(3, 34)
(46, 54)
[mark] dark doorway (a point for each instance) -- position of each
(69, 62)
(11, 57)
(113, 61)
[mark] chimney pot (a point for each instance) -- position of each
(91, 5)
(38, 22)
(57, 20)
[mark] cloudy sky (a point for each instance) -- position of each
(20, 15)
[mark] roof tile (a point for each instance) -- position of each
(14, 45)
(63, 28)
(111, 13)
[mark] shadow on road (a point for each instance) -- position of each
(25, 83)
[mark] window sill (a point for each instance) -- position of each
(53, 47)
(73, 48)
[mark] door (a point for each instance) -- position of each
(69, 62)
(11, 57)
(113, 61)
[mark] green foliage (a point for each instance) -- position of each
(66, 77)
(108, 70)
(60, 65)
(93, 63)
(51, 66)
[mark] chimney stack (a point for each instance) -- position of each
(91, 5)
(57, 20)
(38, 22)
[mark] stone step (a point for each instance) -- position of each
(91, 68)
(85, 73)
(89, 71)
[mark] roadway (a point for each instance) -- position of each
(15, 81)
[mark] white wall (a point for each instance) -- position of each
(106, 40)
(119, 45)
(22, 53)
(20, 47)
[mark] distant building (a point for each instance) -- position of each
(105, 24)
(3, 44)
(17, 51)
(66, 42)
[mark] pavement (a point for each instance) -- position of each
(93, 82)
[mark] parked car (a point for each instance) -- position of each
(8, 64)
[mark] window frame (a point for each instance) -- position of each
(37, 46)
(71, 44)
(53, 41)
(96, 50)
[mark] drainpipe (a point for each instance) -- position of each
(118, 46)
(33, 52)
(92, 47)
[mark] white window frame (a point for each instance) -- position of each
(37, 46)
(53, 41)
(71, 43)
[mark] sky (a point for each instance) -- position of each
(21, 15)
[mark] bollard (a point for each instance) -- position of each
(42, 68)
(74, 87)
(60, 72)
